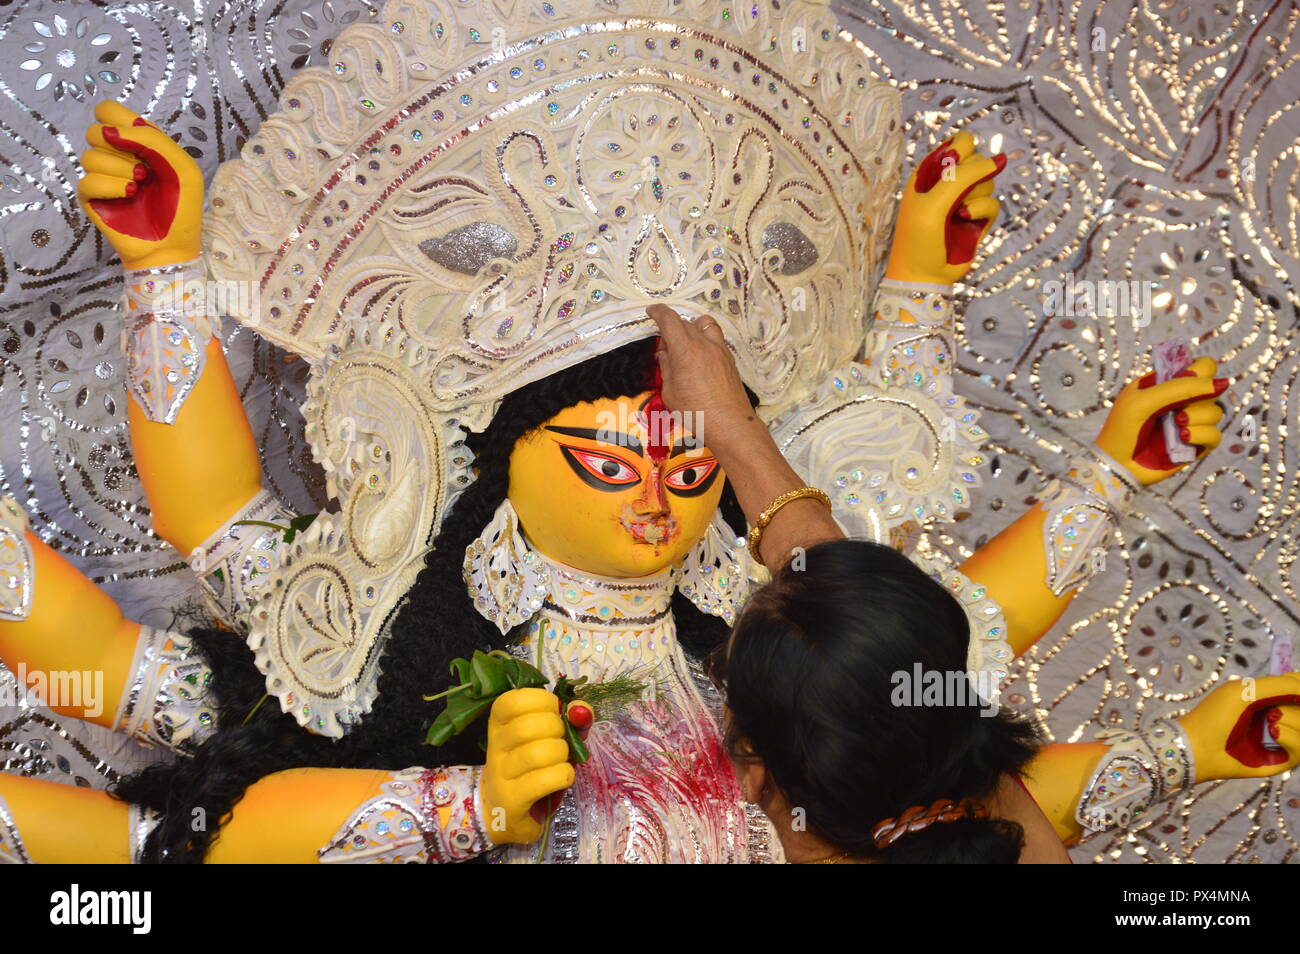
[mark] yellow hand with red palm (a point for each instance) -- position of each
(142, 190)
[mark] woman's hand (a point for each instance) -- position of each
(700, 380)
(1226, 728)
(527, 761)
(142, 190)
(947, 208)
(1133, 436)
(699, 376)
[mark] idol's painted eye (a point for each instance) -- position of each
(693, 479)
(602, 471)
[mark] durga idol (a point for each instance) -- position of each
(459, 224)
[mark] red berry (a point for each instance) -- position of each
(579, 714)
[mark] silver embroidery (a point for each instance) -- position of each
(17, 565)
(505, 579)
(403, 823)
(140, 823)
(911, 337)
(166, 702)
(715, 575)
(1138, 770)
(12, 851)
(240, 552)
(166, 332)
(1083, 508)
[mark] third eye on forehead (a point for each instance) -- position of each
(684, 444)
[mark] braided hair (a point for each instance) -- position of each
(436, 623)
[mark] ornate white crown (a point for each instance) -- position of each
(511, 183)
(478, 193)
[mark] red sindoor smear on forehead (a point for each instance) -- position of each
(660, 435)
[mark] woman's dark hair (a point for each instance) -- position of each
(435, 624)
(812, 679)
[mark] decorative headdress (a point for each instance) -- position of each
(478, 193)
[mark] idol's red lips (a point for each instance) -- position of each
(654, 531)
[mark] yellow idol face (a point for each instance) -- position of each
(613, 488)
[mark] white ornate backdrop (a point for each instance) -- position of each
(1147, 141)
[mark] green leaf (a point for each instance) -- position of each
(577, 748)
(487, 675)
(460, 714)
(567, 689)
(299, 524)
(527, 677)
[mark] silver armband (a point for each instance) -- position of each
(140, 824)
(911, 338)
(167, 329)
(1137, 770)
(420, 816)
(17, 563)
(166, 701)
(240, 551)
(1083, 509)
(12, 851)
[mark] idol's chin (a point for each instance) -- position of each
(640, 560)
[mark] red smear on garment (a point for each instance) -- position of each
(149, 211)
(1244, 743)
(662, 759)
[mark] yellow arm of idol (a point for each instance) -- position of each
(145, 194)
(301, 816)
(947, 208)
(1013, 566)
(285, 818)
(69, 647)
(305, 815)
(55, 824)
(1224, 735)
(1057, 778)
(72, 627)
(334, 815)
(204, 467)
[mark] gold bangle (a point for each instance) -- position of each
(756, 531)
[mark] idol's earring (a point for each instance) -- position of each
(715, 574)
(506, 580)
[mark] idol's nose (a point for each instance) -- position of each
(651, 501)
